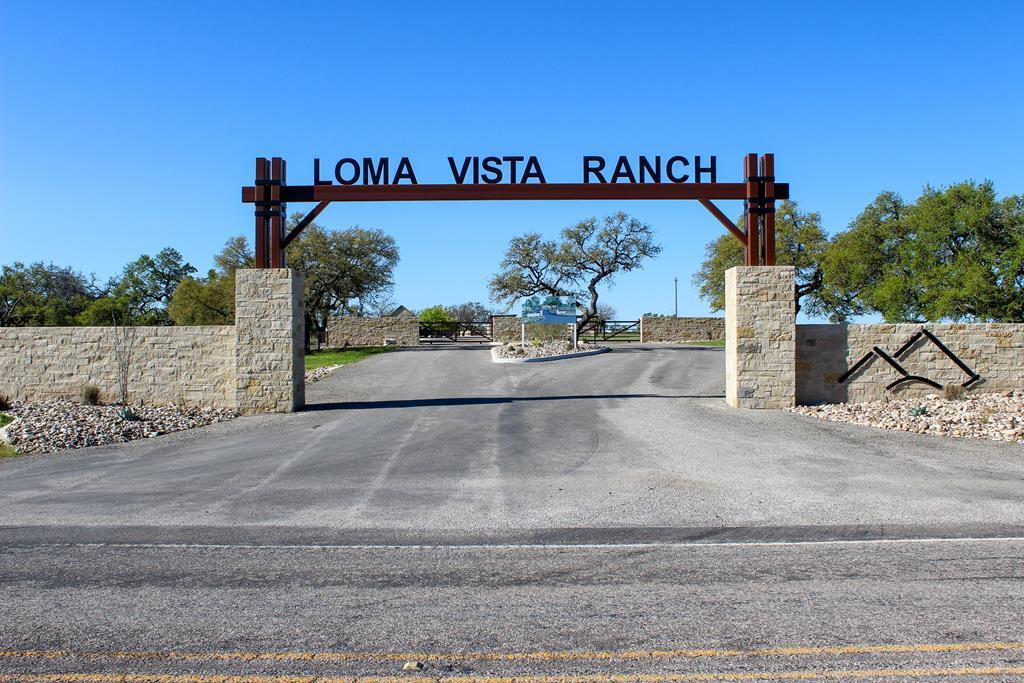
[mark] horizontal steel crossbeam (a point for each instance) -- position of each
(510, 192)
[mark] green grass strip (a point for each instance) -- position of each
(719, 342)
(319, 359)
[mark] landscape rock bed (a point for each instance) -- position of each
(543, 350)
(47, 426)
(320, 373)
(997, 417)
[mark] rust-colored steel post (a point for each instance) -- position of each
(750, 207)
(262, 169)
(277, 173)
(768, 206)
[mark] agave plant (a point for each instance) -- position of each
(127, 414)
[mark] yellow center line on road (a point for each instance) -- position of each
(541, 656)
(854, 674)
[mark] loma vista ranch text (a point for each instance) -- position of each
(493, 170)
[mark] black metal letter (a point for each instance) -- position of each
(316, 174)
(645, 167)
(698, 169)
(512, 167)
(459, 176)
(404, 172)
(668, 169)
(373, 175)
(533, 170)
(355, 171)
(492, 165)
(593, 165)
(623, 170)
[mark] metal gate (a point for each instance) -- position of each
(478, 331)
(611, 330)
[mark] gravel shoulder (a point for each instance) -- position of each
(49, 426)
(994, 417)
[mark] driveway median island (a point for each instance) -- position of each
(543, 351)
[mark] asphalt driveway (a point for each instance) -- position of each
(517, 521)
(445, 443)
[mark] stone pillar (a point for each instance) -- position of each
(505, 328)
(760, 337)
(269, 355)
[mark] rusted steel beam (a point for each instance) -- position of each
(304, 223)
(751, 195)
(724, 220)
(768, 206)
(510, 192)
(259, 196)
(276, 219)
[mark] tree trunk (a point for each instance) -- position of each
(310, 323)
(591, 312)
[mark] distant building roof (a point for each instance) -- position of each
(402, 312)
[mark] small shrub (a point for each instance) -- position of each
(919, 411)
(952, 392)
(5, 402)
(90, 395)
(127, 414)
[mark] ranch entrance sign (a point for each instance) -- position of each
(517, 178)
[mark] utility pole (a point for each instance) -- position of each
(676, 281)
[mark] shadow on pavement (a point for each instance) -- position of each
(483, 400)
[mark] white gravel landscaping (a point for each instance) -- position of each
(320, 373)
(543, 350)
(47, 426)
(997, 417)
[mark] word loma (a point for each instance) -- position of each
(521, 169)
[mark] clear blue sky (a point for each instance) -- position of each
(126, 127)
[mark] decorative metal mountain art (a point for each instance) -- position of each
(905, 376)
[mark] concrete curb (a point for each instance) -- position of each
(579, 354)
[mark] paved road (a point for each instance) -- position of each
(447, 442)
(432, 502)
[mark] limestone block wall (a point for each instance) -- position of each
(545, 332)
(508, 328)
(825, 352)
(505, 328)
(760, 331)
(254, 366)
(353, 331)
(191, 365)
(666, 329)
(269, 326)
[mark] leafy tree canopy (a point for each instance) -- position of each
(40, 295)
(471, 311)
(143, 293)
(343, 269)
(799, 241)
(435, 314)
(588, 255)
(956, 253)
(211, 300)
